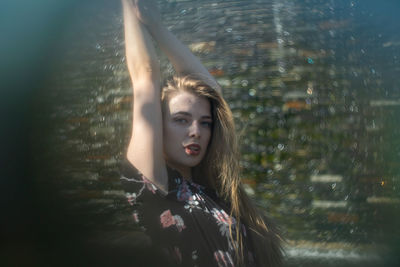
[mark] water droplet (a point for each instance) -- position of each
(278, 167)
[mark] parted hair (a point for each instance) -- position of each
(220, 170)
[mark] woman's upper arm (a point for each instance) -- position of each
(145, 150)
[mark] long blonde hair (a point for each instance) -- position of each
(220, 167)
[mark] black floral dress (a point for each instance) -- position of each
(189, 225)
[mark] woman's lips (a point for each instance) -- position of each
(192, 149)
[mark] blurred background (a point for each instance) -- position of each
(314, 89)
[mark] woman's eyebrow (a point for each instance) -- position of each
(182, 113)
(190, 114)
(206, 117)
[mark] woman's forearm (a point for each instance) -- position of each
(140, 54)
(179, 54)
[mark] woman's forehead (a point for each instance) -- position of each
(190, 103)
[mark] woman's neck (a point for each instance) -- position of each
(186, 172)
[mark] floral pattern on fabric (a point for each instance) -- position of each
(189, 225)
(184, 193)
(151, 187)
(131, 198)
(135, 216)
(223, 258)
(194, 203)
(223, 220)
(168, 220)
(192, 200)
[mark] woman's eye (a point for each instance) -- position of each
(180, 120)
(207, 124)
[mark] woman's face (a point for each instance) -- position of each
(187, 131)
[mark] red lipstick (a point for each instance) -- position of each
(192, 149)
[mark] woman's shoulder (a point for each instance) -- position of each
(179, 189)
(131, 178)
(128, 170)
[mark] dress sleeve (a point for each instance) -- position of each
(153, 210)
(133, 180)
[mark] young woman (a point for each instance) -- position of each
(182, 174)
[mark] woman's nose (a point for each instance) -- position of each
(194, 130)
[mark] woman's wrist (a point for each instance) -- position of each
(157, 30)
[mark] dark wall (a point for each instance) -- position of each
(30, 33)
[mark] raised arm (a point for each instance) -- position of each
(145, 149)
(181, 57)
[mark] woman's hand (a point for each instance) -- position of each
(147, 12)
(180, 56)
